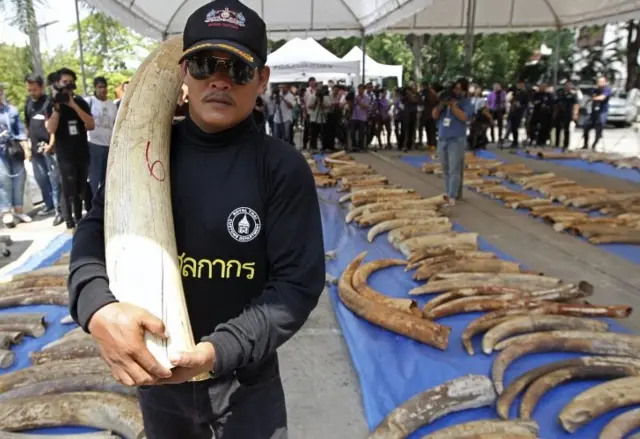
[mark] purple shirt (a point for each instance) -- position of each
(358, 112)
(496, 97)
(383, 108)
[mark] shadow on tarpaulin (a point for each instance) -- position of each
(595, 167)
(392, 368)
(44, 258)
(626, 251)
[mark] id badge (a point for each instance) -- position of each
(446, 121)
(73, 128)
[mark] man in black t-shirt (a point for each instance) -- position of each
(42, 158)
(240, 200)
(69, 118)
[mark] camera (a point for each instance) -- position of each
(322, 92)
(447, 95)
(63, 94)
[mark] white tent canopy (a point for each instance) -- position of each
(285, 18)
(451, 16)
(374, 69)
(299, 59)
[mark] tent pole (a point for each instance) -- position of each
(556, 58)
(364, 56)
(469, 38)
(82, 72)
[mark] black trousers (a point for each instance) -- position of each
(315, 131)
(73, 182)
(410, 123)
(561, 125)
(498, 117)
(226, 408)
(358, 134)
(427, 124)
(515, 120)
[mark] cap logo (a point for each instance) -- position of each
(225, 17)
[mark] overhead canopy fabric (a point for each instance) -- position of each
(494, 16)
(299, 59)
(285, 18)
(374, 69)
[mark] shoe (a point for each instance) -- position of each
(46, 211)
(23, 217)
(57, 220)
(71, 225)
(452, 202)
(8, 220)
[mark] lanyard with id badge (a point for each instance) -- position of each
(447, 118)
(73, 127)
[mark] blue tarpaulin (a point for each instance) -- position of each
(392, 368)
(625, 251)
(597, 168)
(45, 257)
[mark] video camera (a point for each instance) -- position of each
(63, 94)
(447, 94)
(322, 92)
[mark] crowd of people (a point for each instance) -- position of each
(451, 118)
(65, 136)
(340, 116)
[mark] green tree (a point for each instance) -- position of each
(24, 17)
(14, 65)
(633, 54)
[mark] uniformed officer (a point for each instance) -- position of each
(540, 124)
(517, 109)
(565, 110)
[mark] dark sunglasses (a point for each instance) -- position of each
(203, 66)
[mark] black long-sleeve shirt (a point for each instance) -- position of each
(249, 238)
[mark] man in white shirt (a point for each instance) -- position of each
(104, 113)
(283, 116)
(317, 102)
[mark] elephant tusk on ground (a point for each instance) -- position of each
(492, 427)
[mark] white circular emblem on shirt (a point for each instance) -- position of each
(244, 224)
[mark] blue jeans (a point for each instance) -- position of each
(46, 175)
(12, 180)
(98, 156)
(282, 131)
(451, 152)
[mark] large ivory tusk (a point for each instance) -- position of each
(8, 338)
(521, 325)
(395, 224)
(564, 341)
(408, 325)
(32, 324)
(359, 282)
(542, 385)
(464, 393)
(79, 383)
(96, 435)
(620, 426)
(507, 397)
(599, 400)
(92, 409)
(141, 253)
(469, 429)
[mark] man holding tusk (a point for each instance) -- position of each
(250, 247)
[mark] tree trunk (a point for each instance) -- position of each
(416, 48)
(633, 49)
(34, 39)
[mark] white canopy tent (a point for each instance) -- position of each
(298, 60)
(285, 18)
(374, 69)
(453, 16)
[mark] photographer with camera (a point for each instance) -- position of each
(42, 158)
(69, 118)
(597, 117)
(318, 103)
(283, 117)
(452, 113)
(13, 152)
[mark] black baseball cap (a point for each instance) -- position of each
(229, 26)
